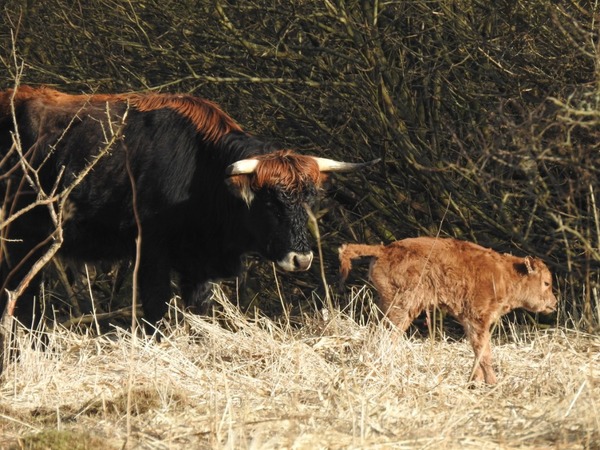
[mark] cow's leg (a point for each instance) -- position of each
(27, 307)
(17, 259)
(479, 336)
(196, 295)
(154, 284)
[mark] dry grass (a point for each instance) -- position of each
(323, 384)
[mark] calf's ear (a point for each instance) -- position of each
(530, 265)
(527, 267)
(239, 185)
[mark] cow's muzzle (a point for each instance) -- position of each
(296, 262)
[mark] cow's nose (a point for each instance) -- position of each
(302, 261)
(294, 262)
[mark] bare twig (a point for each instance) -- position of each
(134, 294)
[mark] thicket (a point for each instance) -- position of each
(486, 114)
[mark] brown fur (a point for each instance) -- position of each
(474, 284)
(283, 169)
(208, 118)
(180, 151)
(287, 170)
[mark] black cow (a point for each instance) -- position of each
(206, 192)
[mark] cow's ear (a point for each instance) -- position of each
(239, 185)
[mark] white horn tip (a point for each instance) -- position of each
(330, 165)
(243, 166)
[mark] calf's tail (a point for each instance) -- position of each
(348, 252)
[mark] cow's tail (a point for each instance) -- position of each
(10, 98)
(5, 111)
(348, 252)
(7, 98)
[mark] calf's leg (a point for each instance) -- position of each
(400, 308)
(479, 336)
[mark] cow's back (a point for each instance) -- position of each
(67, 134)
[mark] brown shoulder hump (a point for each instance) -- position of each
(206, 116)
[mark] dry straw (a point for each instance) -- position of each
(236, 382)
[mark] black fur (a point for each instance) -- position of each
(191, 223)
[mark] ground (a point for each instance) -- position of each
(326, 382)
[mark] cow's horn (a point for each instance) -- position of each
(243, 166)
(330, 165)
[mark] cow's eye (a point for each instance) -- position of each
(269, 200)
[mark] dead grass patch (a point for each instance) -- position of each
(329, 383)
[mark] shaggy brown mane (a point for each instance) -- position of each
(287, 170)
(206, 116)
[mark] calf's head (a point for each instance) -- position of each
(536, 286)
(277, 188)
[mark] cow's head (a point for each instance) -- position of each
(537, 295)
(277, 187)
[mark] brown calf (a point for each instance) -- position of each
(474, 284)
